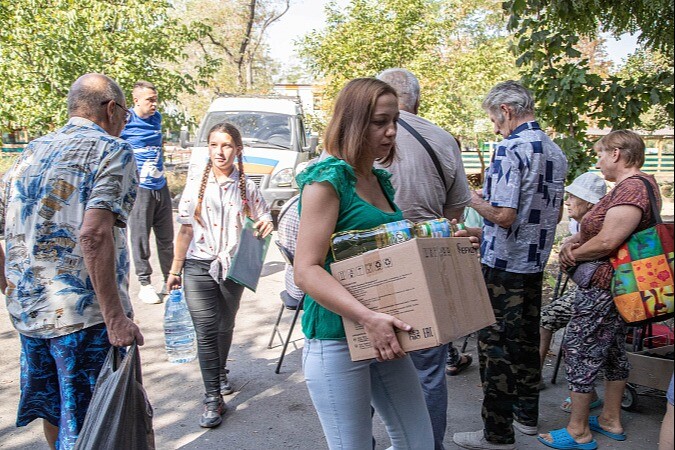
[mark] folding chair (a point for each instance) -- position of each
(287, 302)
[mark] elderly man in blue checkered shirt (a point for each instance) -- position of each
(521, 204)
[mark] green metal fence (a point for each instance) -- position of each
(659, 163)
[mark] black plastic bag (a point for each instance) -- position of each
(119, 415)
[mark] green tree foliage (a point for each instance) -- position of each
(232, 36)
(457, 49)
(45, 45)
(652, 19)
(651, 63)
(235, 30)
(570, 95)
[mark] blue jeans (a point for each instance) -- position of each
(430, 365)
(342, 391)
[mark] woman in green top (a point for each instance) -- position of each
(345, 192)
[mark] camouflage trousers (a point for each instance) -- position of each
(508, 353)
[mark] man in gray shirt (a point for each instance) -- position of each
(423, 193)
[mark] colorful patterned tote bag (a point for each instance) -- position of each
(642, 285)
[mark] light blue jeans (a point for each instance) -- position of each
(342, 391)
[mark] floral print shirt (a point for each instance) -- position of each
(42, 204)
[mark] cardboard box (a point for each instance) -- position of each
(433, 284)
(649, 371)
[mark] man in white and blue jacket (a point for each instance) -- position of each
(153, 204)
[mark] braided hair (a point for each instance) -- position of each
(233, 132)
(242, 186)
(200, 195)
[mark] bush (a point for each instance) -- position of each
(176, 182)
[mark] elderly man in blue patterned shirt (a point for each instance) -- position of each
(521, 204)
(63, 209)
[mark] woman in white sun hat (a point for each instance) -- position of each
(585, 191)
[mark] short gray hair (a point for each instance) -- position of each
(406, 85)
(509, 93)
(88, 92)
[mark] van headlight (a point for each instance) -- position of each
(283, 178)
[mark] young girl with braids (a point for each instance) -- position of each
(212, 210)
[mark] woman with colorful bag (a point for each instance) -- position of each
(596, 333)
(216, 201)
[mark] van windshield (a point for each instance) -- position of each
(257, 128)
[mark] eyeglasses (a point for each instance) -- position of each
(127, 112)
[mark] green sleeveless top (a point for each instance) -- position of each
(355, 214)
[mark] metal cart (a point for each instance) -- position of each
(650, 374)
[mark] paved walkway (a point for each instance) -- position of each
(271, 411)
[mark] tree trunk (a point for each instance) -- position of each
(240, 75)
(249, 74)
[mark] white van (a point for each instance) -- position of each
(275, 141)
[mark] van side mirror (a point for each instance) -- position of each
(184, 138)
(313, 143)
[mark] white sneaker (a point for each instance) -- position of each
(476, 440)
(525, 429)
(148, 295)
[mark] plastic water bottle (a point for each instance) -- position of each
(346, 244)
(179, 332)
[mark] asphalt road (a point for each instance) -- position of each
(270, 411)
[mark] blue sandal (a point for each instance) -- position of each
(595, 426)
(563, 441)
